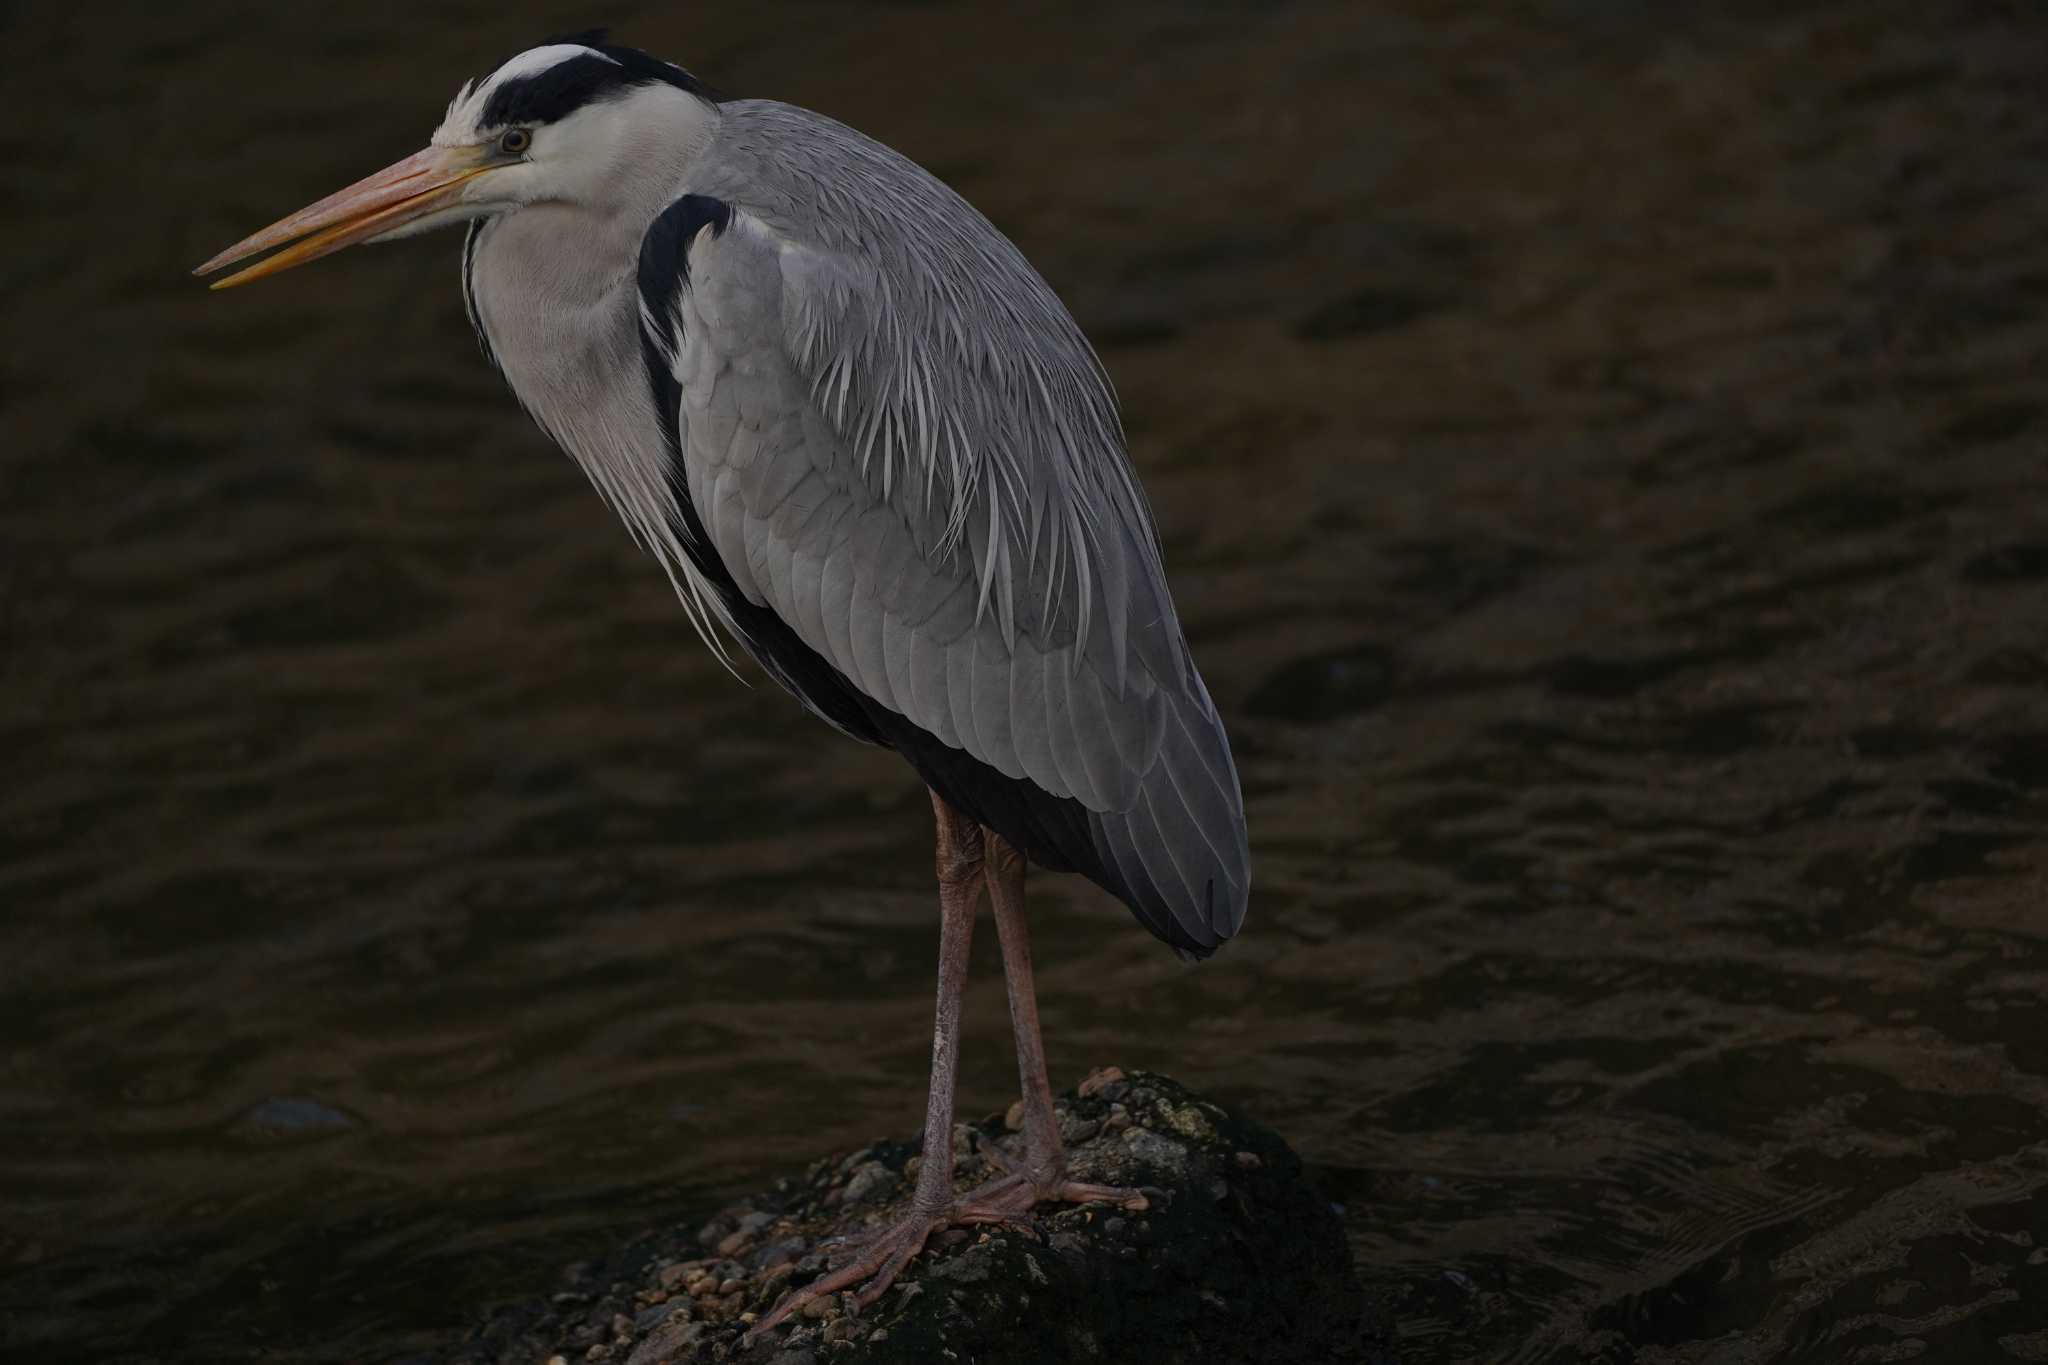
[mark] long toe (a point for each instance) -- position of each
(1009, 1198)
(878, 1262)
(1017, 1178)
(1126, 1197)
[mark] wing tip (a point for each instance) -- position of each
(1194, 925)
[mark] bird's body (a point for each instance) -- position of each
(869, 444)
(894, 473)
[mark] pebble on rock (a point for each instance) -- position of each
(870, 1180)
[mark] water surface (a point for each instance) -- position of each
(1601, 453)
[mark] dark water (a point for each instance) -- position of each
(1603, 457)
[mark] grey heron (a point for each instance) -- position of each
(868, 444)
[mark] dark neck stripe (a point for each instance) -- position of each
(470, 243)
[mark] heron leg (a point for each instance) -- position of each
(932, 1206)
(1045, 1158)
(1041, 1177)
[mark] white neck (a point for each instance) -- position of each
(554, 286)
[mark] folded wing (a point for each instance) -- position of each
(910, 476)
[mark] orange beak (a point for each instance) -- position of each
(382, 203)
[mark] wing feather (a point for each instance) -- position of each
(989, 685)
(959, 686)
(896, 659)
(865, 613)
(1027, 717)
(927, 687)
(1063, 735)
(835, 605)
(1113, 782)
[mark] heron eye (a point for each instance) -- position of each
(515, 141)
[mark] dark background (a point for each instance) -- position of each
(1600, 450)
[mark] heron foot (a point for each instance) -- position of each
(1026, 1183)
(1007, 1199)
(878, 1261)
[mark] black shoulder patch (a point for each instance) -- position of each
(665, 256)
(663, 273)
(567, 86)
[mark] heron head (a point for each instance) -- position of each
(557, 123)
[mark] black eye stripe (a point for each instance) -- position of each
(555, 92)
(561, 89)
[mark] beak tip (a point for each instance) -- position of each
(395, 195)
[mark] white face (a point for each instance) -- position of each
(575, 157)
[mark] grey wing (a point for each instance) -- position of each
(948, 522)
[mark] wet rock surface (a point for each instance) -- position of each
(1238, 1258)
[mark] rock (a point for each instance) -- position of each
(1235, 1258)
(784, 1252)
(1075, 1131)
(674, 1339)
(871, 1180)
(1189, 1120)
(1162, 1157)
(647, 1319)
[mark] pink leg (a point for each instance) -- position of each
(1042, 1175)
(1003, 866)
(931, 1203)
(959, 866)
(967, 856)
